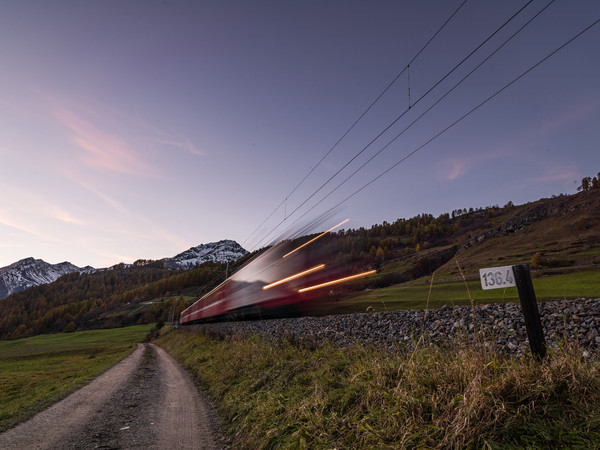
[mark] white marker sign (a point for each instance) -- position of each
(497, 277)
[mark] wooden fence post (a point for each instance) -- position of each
(533, 323)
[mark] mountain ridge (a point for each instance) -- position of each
(225, 250)
(29, 272)
(559, 232)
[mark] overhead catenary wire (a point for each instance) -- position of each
(464, 116)
(426, 111)
(400, 116)
(284, 201)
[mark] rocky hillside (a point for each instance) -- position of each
(33, 272)
(30, 272)
(222, 251)
(564, 230)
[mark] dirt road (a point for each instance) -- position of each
(147, 400)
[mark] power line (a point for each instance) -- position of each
(397, 119)
(284, 201)
(431, 107)
(459, 120)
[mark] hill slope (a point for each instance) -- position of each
(557, 232)
(564, 231)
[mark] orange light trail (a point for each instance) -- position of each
(293, 277)
(340, 280)
(315, 238)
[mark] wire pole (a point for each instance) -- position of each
(533, 323)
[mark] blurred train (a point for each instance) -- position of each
(283, 281)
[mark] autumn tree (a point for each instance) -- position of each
(586, 184)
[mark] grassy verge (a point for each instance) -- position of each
(276, 395)
(35, 372)
(414, 295)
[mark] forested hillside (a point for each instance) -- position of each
(81, 301)
(556, 232)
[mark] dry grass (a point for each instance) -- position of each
(279, 395)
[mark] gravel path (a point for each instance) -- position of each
(145, 401)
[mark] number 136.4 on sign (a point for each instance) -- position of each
(497, 277)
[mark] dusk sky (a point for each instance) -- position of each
(138, 129)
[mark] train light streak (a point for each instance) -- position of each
(340, 280)
(315, 238)
(293, 277)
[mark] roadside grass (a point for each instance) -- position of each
(283, 395)
(414, 295)
(36, 372)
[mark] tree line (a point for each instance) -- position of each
(121, 295)
(588, 183)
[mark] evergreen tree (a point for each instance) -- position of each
(586, 184)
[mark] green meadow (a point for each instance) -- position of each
(36, 372)
(437, 293)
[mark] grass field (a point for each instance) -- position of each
(35, 372)
(278, 395)
(415, 295)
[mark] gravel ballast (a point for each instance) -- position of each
(498, 325)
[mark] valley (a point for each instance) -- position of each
(421, 262)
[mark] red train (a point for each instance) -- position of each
(282, 281)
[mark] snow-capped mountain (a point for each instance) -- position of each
(30, 272)
(221, 251)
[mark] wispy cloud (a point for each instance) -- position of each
(101, 149)
(84, 183)
(64, 216)
(29, 213)
(563, 118)
(183, 144)
(457, 169)
(115, 140)
(23, 226)
(458, 165)
(7, 221)
(554, 173)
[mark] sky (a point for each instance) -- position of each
(138, 129)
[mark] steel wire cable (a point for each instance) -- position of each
(464, 116)
(425, 112)
(396, 120)
(357, 120)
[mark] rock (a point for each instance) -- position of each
(501, 324)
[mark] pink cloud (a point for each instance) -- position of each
(84, 183)
(457, 166)
(66, 217)
(563, 118)
(22, 225)
(554, 173)
(116, 141)
(183, 143)
(154, 134)
(102, 150)
(457, 169)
